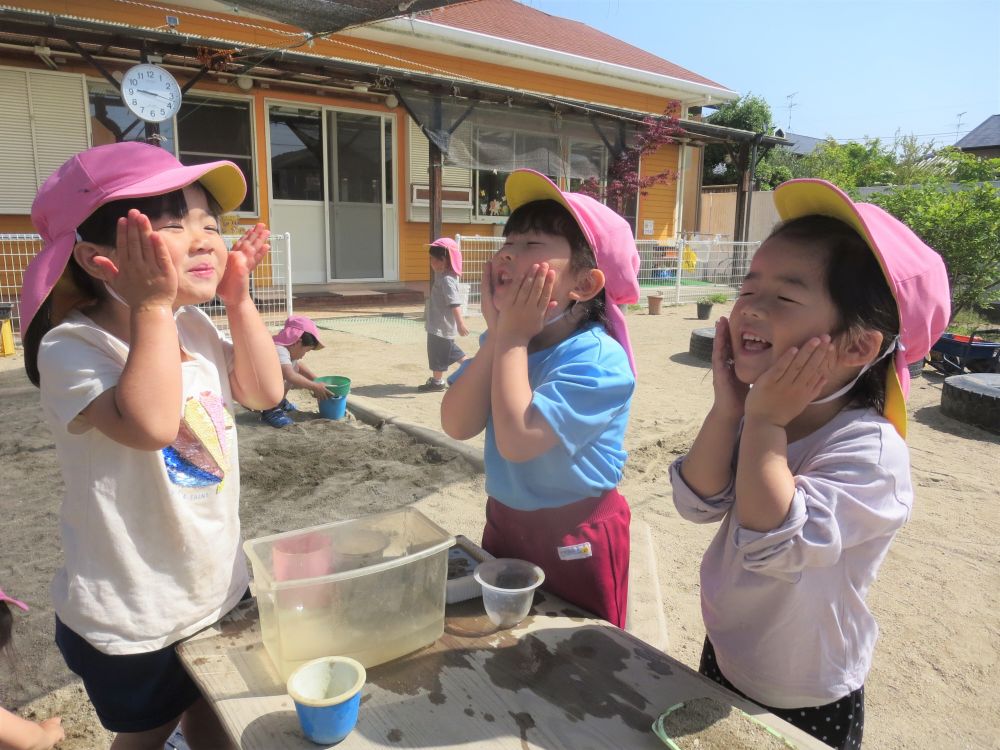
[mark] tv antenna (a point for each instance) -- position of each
(791, 105)
(958, 124)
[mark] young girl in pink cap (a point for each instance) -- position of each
(443, 316)
(808, 470)
(295, 340)
(551, 385)
(138, 389)
(17, 733)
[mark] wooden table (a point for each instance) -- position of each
(559, 680)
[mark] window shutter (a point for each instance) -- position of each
(19, 183)
(60, 115)
(42, 123)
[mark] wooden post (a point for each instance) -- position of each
(434, 172)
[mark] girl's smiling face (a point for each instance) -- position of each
(194, 242)
(783, 303)
(522, 250)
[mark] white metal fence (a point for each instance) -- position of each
(270, 284)
(682, 271)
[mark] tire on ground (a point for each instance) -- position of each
(915, 369)
(973, 399)
(702, 341)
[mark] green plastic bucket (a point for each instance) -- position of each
(338, 385)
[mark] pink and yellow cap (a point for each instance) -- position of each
(915, 273)
(607, 233)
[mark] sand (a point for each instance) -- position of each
(936, 598)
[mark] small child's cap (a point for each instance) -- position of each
(454, 254)
(295, 326)
(16, 602)
(915, 273)
(607, 233)
(101, 175)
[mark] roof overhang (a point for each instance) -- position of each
(434, 37)
(108, 40)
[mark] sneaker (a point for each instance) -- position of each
(432, 385)
(287, 405)
(275, 417)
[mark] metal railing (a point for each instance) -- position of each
(682, 271)
(270, 283)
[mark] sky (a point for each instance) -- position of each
(850, 69)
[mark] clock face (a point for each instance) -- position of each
(150, 92)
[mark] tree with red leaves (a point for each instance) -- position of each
(624, 183)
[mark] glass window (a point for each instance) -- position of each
(209, 129)
(359, 164)
(587, 160)
(296, 154)
(111, 122)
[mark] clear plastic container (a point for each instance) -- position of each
(371, 588)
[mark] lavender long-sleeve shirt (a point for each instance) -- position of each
(785, 609)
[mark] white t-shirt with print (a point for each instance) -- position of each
(151, 539)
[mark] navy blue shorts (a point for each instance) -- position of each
(130, 692)
(442, 353)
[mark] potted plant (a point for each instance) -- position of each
(705, 304)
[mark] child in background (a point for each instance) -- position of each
(137, 387)
(17, 733)
(299, 337)
(808, 470)
(444, 313)
(552, 384)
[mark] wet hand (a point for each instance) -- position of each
(321, 392)
(142, 272)
(248, 251)
(522, 314)
(790, 384)
(730, 392)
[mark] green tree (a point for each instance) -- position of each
(749, 112)
(963, 226)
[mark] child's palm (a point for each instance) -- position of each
(790, 384)
(248, 251)
(142, 273)
(730, 391)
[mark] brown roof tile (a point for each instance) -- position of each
(509, 19)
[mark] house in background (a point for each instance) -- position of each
(335, 132)
(801, 145)
(983, 140)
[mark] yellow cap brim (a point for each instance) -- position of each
(525, 186)
(225, 183)
(895, 404)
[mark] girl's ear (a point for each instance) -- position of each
(94, 260)
(588, 284)
(860, 347)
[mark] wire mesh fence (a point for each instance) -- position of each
(682, 271)
(270, 283)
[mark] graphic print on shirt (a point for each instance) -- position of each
(199, 457)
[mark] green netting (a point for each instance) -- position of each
(393, 329)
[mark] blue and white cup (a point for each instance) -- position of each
(327, 693)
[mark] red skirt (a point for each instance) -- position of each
(583, 547)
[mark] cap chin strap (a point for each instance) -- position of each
(841, 391)
(557, 318)
(115, 295)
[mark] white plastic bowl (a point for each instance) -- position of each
(508, 589)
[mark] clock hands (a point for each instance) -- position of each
(153, 93)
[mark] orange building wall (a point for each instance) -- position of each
(660, 201)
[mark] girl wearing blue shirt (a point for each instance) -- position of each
(552, 384)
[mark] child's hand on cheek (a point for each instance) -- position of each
(787, 387)
(522, 315)
(246, 253)
(142, 272)
(730, 391)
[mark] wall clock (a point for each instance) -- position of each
(150, 92)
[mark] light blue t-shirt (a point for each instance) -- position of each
(583, 387)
